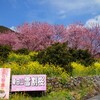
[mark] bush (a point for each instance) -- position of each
(81, 56)
(60, 55)
(19, 58)
(22, 51)
(36, 68)
(97, 67)
(59, 95)
(20, 96)
(33, 55)
(4, 52)
(81, 70)
(56, 54)
(78, 69)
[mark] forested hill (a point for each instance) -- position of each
(3, 29)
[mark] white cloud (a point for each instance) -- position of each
(62, 14)
(97, 1)
(76, 6)
(68, 5)
(93, 21)
(60, 8)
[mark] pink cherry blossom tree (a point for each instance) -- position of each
(36, 36)
(11, 39)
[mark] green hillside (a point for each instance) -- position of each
(3, 29)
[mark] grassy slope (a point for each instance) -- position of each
(3, 29)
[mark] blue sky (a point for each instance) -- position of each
(17, 12)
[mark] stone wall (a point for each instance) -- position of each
(56, 83)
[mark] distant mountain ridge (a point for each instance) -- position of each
(4, 29)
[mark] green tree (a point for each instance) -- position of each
(61, 55)
(56, 54)
(82, 56)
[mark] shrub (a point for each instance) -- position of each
(59, 95)
(22, 51)
(36, 68)
(81, 56)
(81, 70)
(97, 67)
(4, 52)
(78, 69)
(56, 54)
(19, 58)
(33, 55)
(61, 55)
(20, 96)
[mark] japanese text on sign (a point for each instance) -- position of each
(28, 82)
